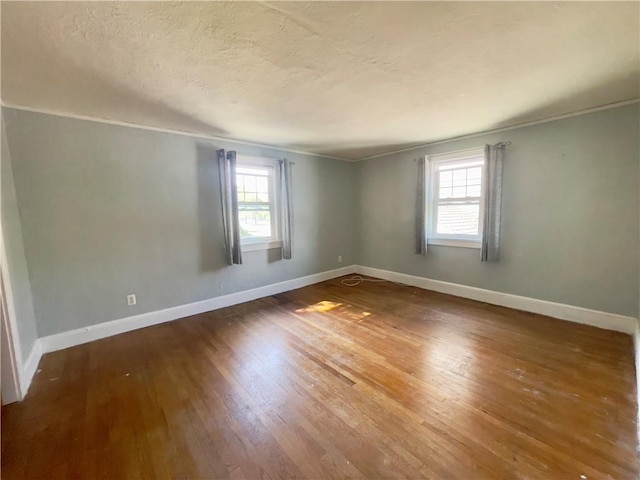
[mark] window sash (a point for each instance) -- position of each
(257, 204)
(458, 200)
(465, 236)
(451, 163)
(269, 168)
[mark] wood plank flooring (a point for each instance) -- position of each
(373, 381)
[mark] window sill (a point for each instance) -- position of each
(252, 247)
(447, 242)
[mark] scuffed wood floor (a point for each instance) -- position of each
(377, 380)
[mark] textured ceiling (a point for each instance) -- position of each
(343, 79)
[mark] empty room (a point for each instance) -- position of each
(320, 240)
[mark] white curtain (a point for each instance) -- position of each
(286, 198)
(492, 212)
(229, 198)
(421, 207)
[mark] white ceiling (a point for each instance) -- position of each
(347, 79)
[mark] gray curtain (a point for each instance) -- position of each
(421, 208)
(493, 160)
(229, 199)
(286, 199)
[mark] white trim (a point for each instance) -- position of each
(30, 366)
(557, 310)
(253, 247)
(79, 336)
(460, 156)
(273, 178)
(107, 329)
(449, 242)
(609, 321)
(259, 160)
(12, 384)
(503, 129)
(168, 130)
(303, 152)
(18, 389)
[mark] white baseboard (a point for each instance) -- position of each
(102, 330)
(79, 336)
(609, 321)
(571, 313)
(30, 366)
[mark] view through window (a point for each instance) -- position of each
(255, 200)
(458, 189)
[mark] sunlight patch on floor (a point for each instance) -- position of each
(323, 306)
(343, 310)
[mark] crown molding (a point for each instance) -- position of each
(303, 152)
(168, 130)
(503, 129)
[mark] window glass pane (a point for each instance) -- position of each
(262, 184)
(473, 190)
(445, 192)
(255, 224)
(459, 191)
(459, 177)
(445, 179)
(458, 219)
(250, 183)
(253, 202)
(250, 197)
(474, 174)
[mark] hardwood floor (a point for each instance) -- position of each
(378, 380)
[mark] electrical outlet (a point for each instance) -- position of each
(340, 259)
(131, 299)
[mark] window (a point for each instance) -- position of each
(258, 203)
(455, 200)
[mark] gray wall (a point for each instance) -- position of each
(109, 210)
(16, 260)
(570, 214)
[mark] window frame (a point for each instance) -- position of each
(271, 164)
(460, 157)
